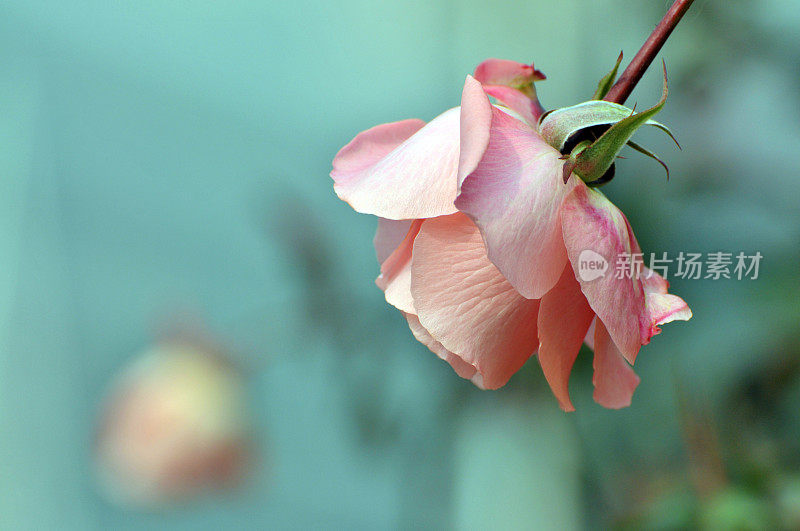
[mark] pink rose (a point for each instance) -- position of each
(481, 236)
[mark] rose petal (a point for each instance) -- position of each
(662, 307)
(589, 339)
(370, 146)
(614, 380)
(514, 196)
(665, 308)
(389, 235)
(476, 122)
(652, 281)
(462, 368)
(380, 173)
(592, 223)
(564, 318)
(529, 109)
(466, 304)
(395, 277)
(505, 72)
(512, 84)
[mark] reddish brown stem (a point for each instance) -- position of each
(635, 70)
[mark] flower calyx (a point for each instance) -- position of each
(591, 134)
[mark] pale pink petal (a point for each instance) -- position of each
(512, 84)
(514, 196)
(395, 277)
(505, 72)
(614, 380)
(564, 318)
(529, 109)
(466, 304)
(592, 224)
(415, 179)
(653, 282)
(477, 379)
(398, 291)
(476, 121)
(661, 306)
(589, 339)
(665, 308)
(462, 368)
(389, 235)
(370, 146)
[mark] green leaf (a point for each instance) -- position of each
(607, 82)
(593, 161)
(649, 153)
(557, 126)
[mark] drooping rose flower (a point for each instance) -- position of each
(488, 286)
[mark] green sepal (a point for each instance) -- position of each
(557, 126)
(572, 158)
(605, 84)
(593, 161)
(645, 151)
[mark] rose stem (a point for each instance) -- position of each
(635, 70)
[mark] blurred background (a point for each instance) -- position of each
(165, 175)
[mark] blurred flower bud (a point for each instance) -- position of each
(173, 427)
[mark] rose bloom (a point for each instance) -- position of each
(172, 428)
(479, 238)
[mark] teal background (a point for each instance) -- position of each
(164, 159)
